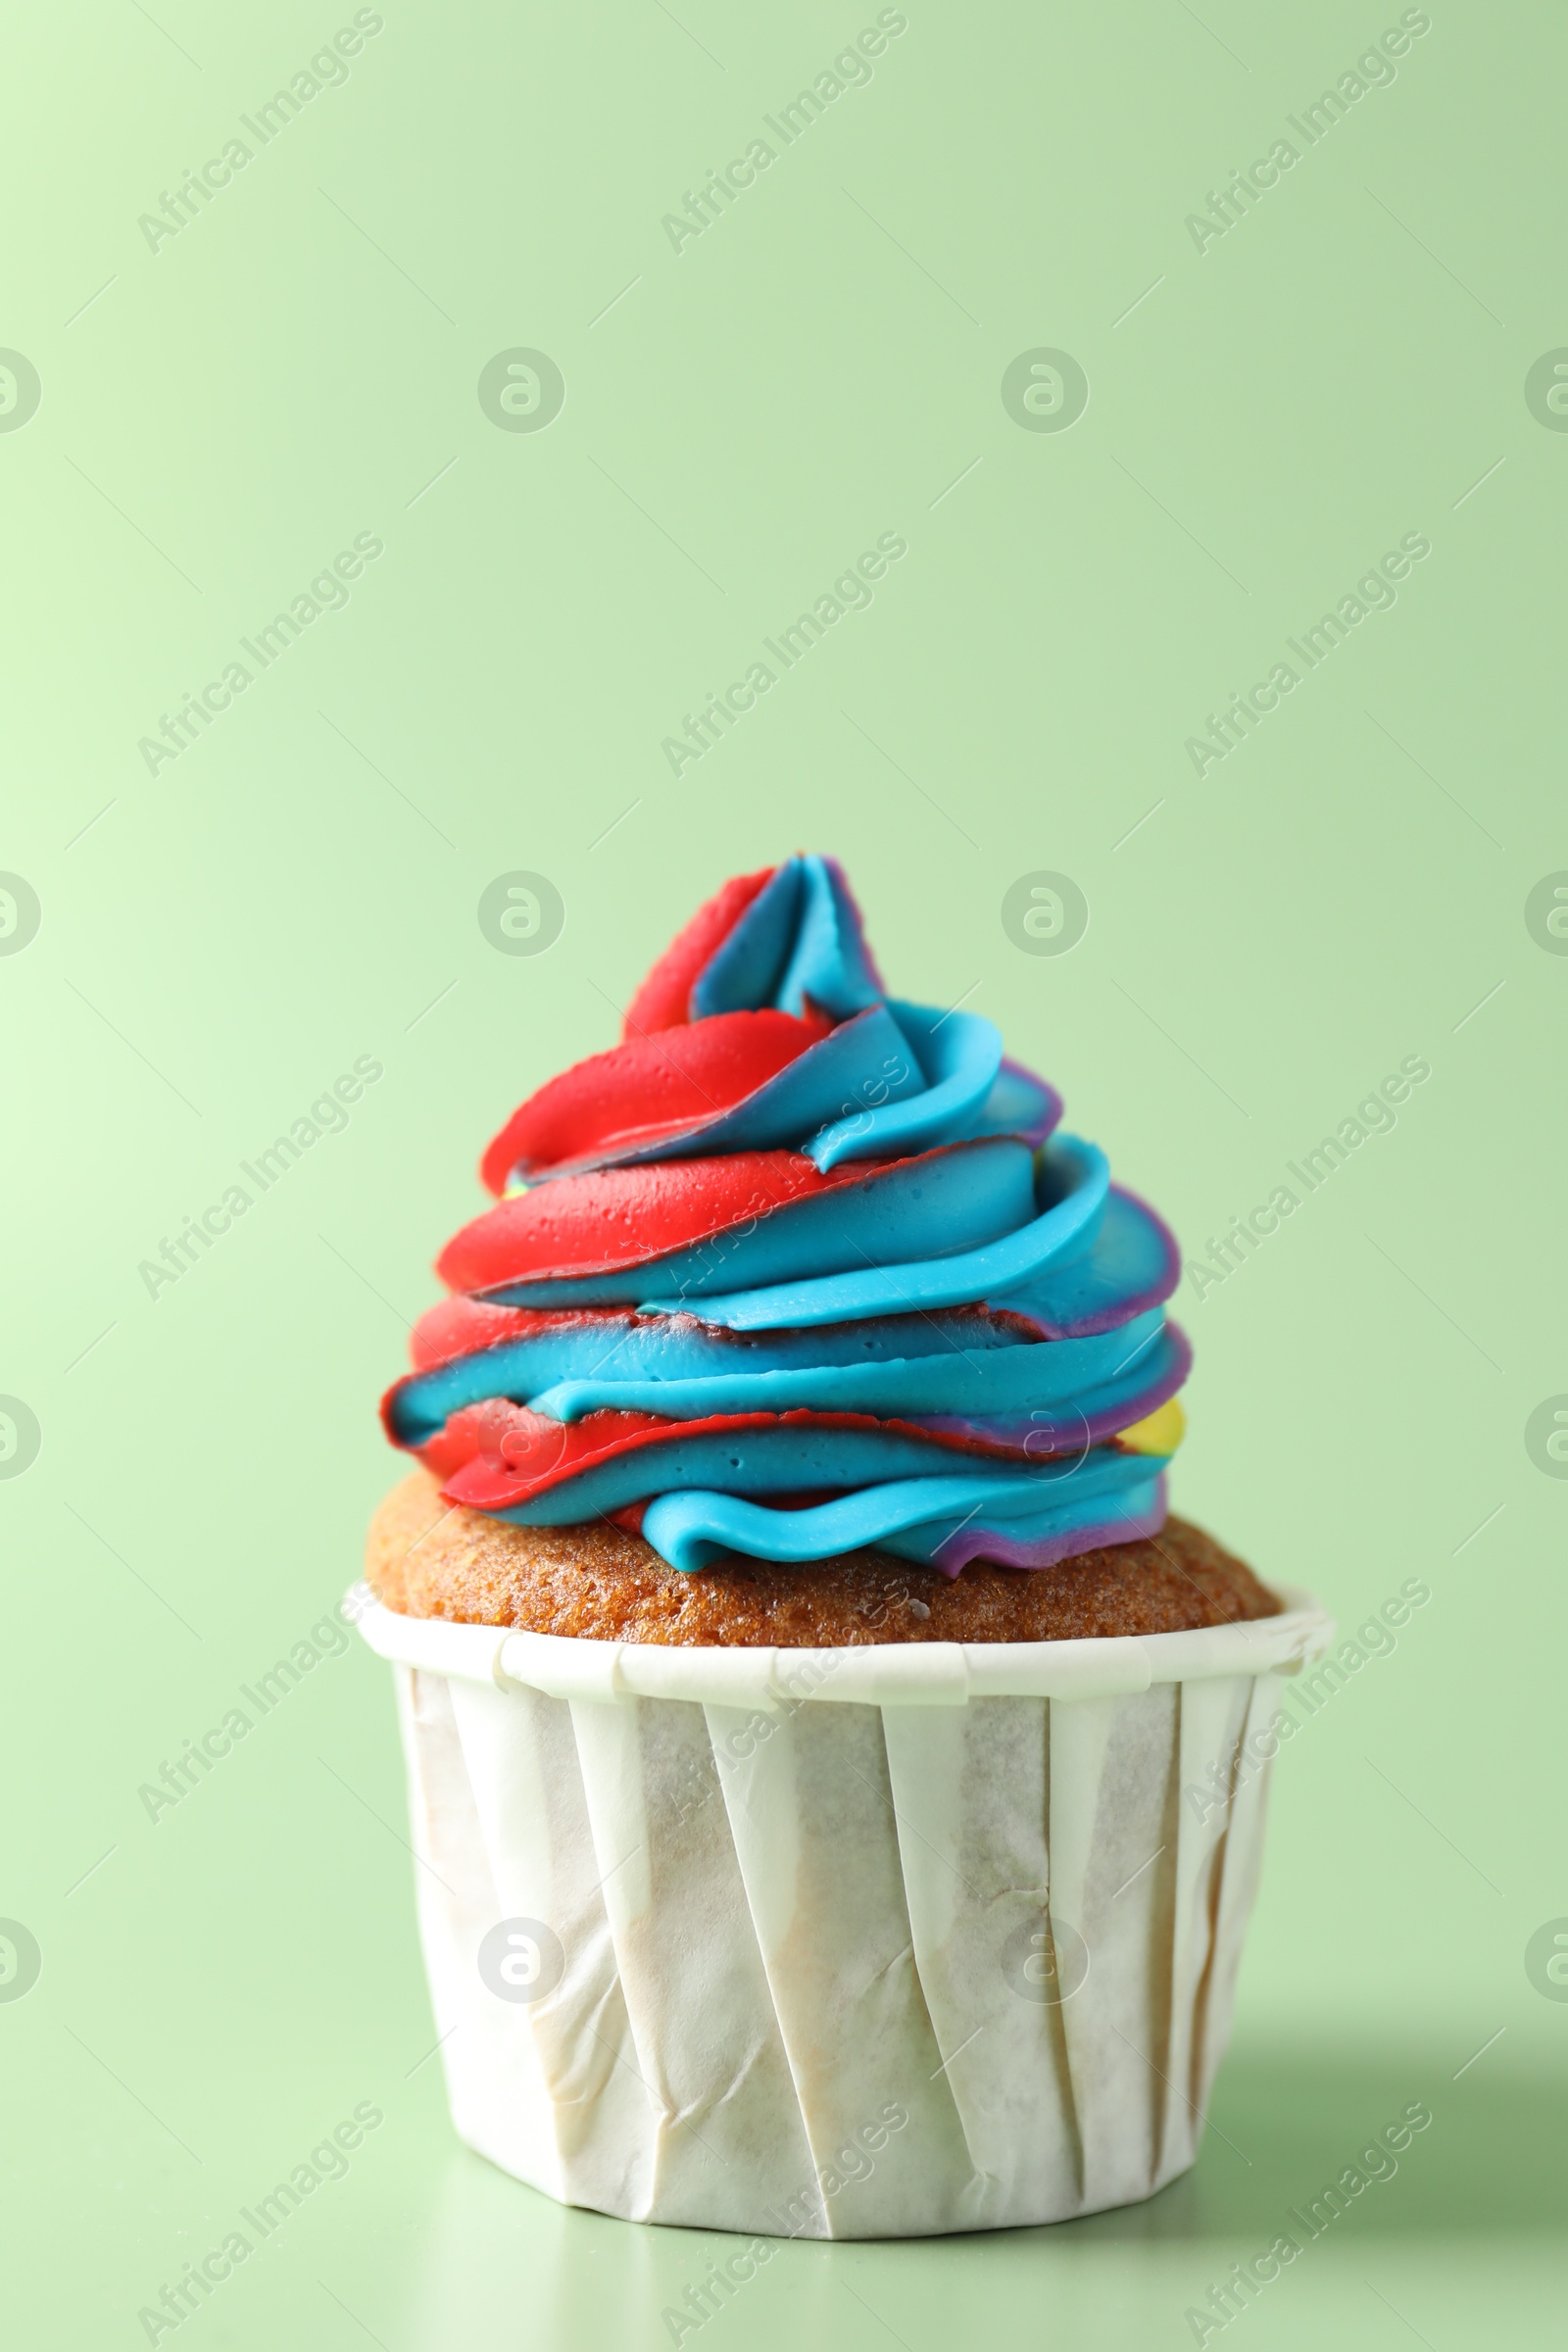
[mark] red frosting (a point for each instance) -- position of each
(494, 1455)
(459, 1327)
(664, 1001)
(618, 1218)
(647, 1091)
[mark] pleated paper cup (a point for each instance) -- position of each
(876, 1942)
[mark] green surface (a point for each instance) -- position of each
(223, 933)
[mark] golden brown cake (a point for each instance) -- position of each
(430, 1558)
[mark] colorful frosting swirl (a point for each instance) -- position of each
(798, 1268)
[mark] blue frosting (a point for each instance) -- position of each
(1065, 1207)
(922, 1519)
(959, 1070)
(910, 1367)
(800, 937)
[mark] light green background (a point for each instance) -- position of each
(221, 938)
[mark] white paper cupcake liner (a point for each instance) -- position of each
(876, 1942)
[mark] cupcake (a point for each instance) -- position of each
(838, 1779)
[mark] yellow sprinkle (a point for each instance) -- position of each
(1159, 1431)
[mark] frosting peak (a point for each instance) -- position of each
(797, 1267)
(773, 938)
